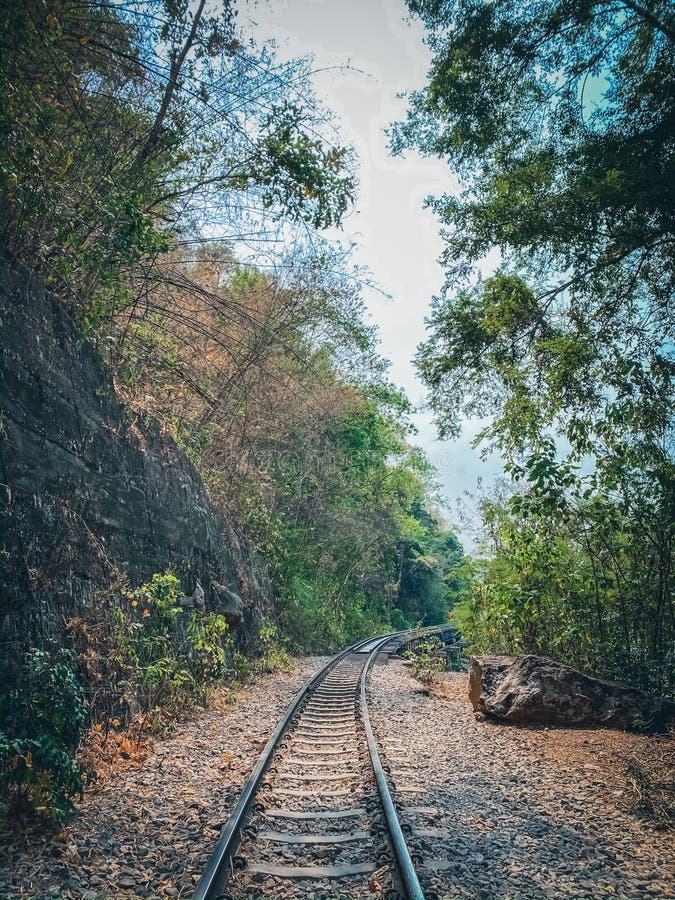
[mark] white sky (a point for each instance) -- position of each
(396, 238)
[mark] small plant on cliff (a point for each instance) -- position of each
(210, 644)
(166, 658)
(158, 597)
(271, 654)
(41, 722)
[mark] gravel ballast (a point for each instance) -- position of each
(490, 811)
(497, 811)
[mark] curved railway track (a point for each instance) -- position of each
(316, 817)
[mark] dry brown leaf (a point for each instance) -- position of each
(376, 881)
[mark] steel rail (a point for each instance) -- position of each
(405, 864)
(214, 876)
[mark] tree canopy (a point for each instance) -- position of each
(128, 129)
(558, 119)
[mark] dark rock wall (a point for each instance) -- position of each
(89, 490)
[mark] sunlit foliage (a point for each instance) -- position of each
(559, 121)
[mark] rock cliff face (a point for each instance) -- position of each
(90, 491)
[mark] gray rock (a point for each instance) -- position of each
(198, 596)
(535, 690)
(189, 601)
(228, 604)
(91, 490)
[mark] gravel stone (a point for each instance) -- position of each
(516, 812)
(151, 829)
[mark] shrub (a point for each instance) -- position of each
(426, 661)
(270, 653)
(307, 616)
(149, 659)
(167, 655)
(41, 722)
(399, 622)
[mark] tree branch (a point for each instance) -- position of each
(177, 60)
(666, 28)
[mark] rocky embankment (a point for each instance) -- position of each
(93, 493)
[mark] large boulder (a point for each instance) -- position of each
(538, 691)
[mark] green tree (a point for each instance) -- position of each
(559, 120)
(126, 129)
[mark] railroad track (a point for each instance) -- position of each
(316, 818)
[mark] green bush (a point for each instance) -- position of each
(307, 616)
(427, 661)
(271, 655)
(41, 722)
(167, 655)
(399, 622)
(150, 659)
